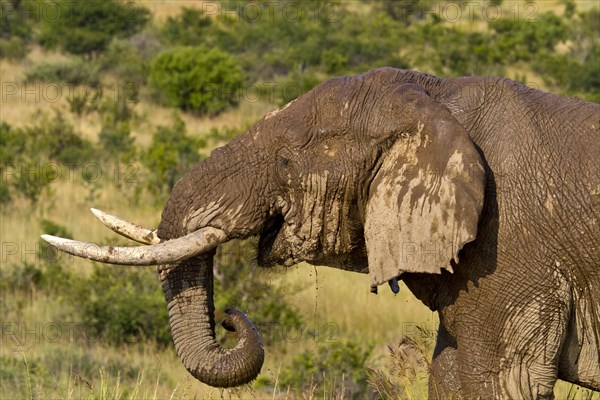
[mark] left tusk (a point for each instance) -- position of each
(167, 252)
(126, 228)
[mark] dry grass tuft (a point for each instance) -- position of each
(407, 374)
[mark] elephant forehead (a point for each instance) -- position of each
(273, 113)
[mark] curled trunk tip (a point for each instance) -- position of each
(188, 289)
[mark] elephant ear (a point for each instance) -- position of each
(426, 198)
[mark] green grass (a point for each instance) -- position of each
(336, 306)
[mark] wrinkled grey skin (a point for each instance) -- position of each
(400, 174)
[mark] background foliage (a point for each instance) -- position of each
(108, 103)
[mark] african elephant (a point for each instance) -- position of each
(482, 195)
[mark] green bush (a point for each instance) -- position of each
(14, 48)
(83, 27)
(118, 304)
(337, 368)
(15, 29)
(12, 144)
(170, 155)
(116, 139)
(55, 139)
(575, 72)
(296, 85)
(115, 113)
(124, 305)
(22, 278)
(404, 11)
(190, 28)
(5, 195)
(129, 59)
(32, 155)
(197, 79)
(519, 39)
(73, 71)
(45, 273)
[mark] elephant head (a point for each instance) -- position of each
(368, 173)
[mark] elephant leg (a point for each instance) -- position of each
(533, 337)
(515, 375)
(443, 379)
(521, 359)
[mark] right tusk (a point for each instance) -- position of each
(166, 252)
(126, 228)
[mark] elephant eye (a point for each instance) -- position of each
(284, 168)
(283, 161)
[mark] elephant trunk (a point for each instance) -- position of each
(188, 289)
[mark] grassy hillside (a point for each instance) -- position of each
(67, 326)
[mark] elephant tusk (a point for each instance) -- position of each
(166, 252)
(126, 228)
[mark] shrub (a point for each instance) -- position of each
(337, 368)
(128, 59)
(5, 196)
(23, 278)
(12, 144)
(56, 139)
(118, 304)
(406, 10)
(32, 180)
(83, 27)
(115, 113)
(44, 273)
(73, 71)
(27, 151)
(14, 48)
(189, 28)
(124, 305)
(196, 79)
(296, 85)
(15, 29)
(78, 104)
(334, 61)
(116, 139)
(170, 155)
(519, 39)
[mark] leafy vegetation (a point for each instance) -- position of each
(86, 28)
(31, 157)
(197, 79)
(15, 31)
(154, 96)
(170, 155)
(336, 368)
(74, 71)
(115, 113)
(129, 59)
(420, 34)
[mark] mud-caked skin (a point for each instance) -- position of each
(482, 195)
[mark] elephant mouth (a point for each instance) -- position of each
(268, 252)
